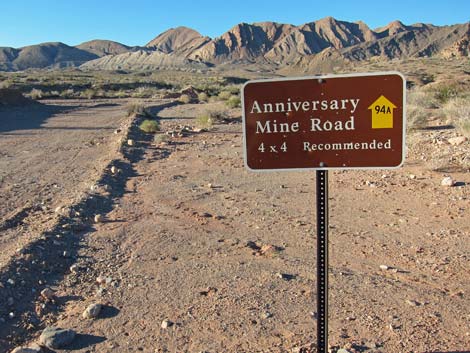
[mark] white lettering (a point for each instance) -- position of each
(256, 106)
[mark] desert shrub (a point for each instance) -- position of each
(136, 108)
(184, 98)
(159, 138)
(233, 102)
(207, 119)
(203, 97)
(421, 98)
(416, 117)
(444, 93)
(68, 93)
(224, 95)
(36, 93)
(88, 93)
(457, 110)
(149, 126)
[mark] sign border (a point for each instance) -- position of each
(318, 77)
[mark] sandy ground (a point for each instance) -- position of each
(228, 256)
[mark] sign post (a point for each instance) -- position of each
(354, 121)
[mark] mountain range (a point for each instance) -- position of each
(327, 41)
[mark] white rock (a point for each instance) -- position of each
(448, 181)
(113, 169)
(130, 142)
(342, 350)
(47, 293)
(92, 311)
(456, 141)
(74, 268)
(412, 176)
(384, 267)
(98, 218)
(166, 323)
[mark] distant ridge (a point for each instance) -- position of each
(303, 47)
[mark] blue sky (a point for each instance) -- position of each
(136, 22)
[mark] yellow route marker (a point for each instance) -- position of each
(382, 113)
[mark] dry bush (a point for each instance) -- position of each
(136, 108)
(185, 99)
(225, 95)
(419, 97)
(36, 94)
(149, 126)
(203, 97)
(458, 111)
(207, 119)
(233, 102)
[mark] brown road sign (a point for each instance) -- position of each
(352, 121)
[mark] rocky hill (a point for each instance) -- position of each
(307, 47)
(43, 55)
(104, 47)
(180, 40)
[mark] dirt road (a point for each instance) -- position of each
(227, 257)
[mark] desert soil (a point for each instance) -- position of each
(227, 256)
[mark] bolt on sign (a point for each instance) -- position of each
(354, 121)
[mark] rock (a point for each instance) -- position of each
(412, 302)
(266, 315)
(456, 141)
(48, 294)
(11, 281)
(113, 169)
(55, 338)
(31, 349)
(412, 176)
(98, 218)
(92, 311)
(117, 131)
(74, 268)
(342, 350)
(384, 267)
(130, 142)
(448, 181)
(11, 315)
(166, 323)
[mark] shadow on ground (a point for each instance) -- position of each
(28, 117)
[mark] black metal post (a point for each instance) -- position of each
(322, 261)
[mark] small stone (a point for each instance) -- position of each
(412, 302)
(342, 350)
(456, 141)
(412, 176)
(74, 268)
(166, 323)
(384, 267)
(130, 142)
(47, 293)
(92, 311)
(448, 181)
(11, 282)
(55, 338)
(100, 280)
(98, 218)
(113, 169)
(266, 315)
(11, 315)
